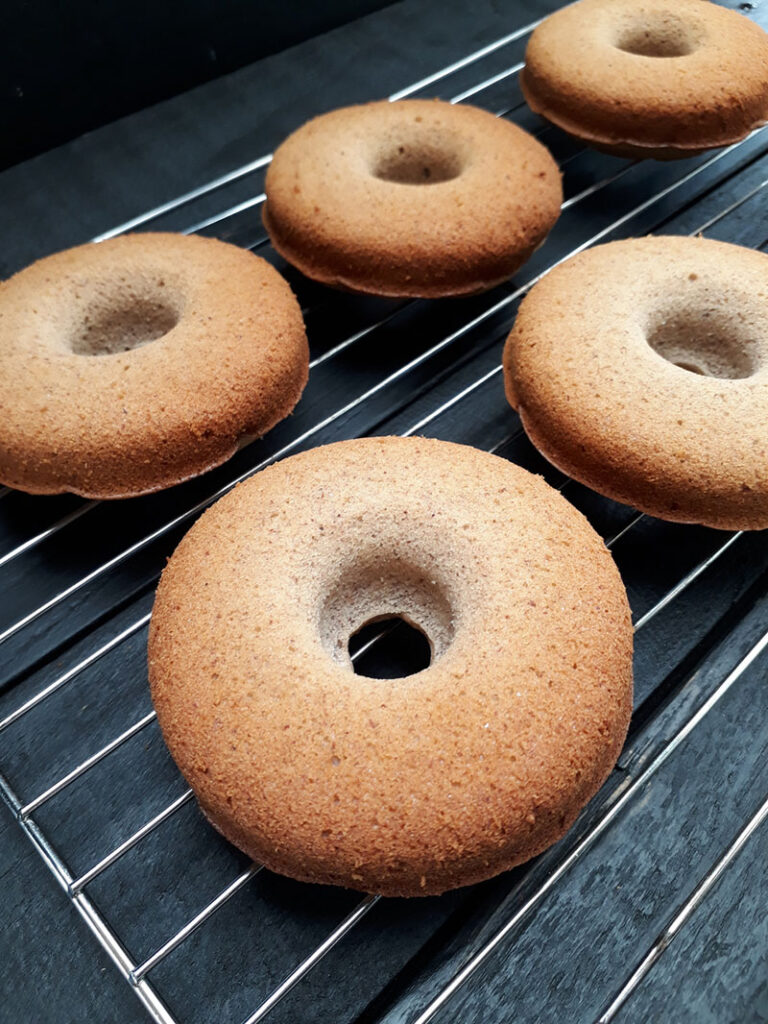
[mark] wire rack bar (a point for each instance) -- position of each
(734, 206)
(191, 926)
(471, 58)
(630, 790)
(684, 913)
(306, 965)
(362, 333)
(231, 211)
(184, 198)
(132, 840)
(350, 406)
(74, 671)
(372, 642)
(624, 530)
(590, 190)
(79, 883)
(686, 581)
(38, 538)
(84, 766)
(509, 72)
(85, 908)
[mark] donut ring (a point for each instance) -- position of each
(657, 78)
(397, 786)
(414, 198)
(641, 369)
(90, 406)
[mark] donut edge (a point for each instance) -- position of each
(625, 147)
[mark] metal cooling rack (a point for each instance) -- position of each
(443, 379)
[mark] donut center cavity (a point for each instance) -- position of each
(417, 163)
(389, 647)
(401, 610)
(122, 325)
(659, 35)
(705, 342)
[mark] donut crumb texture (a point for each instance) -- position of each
(136, 363)
(649, 78)
(416, 198)
(401, 786)
(640, 368)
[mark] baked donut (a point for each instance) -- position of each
(640, 368)
(413, 198)
(657, 78)
(136, 363)
(397, 786)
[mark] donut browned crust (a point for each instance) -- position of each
(136, 363)
(404, 786)
(640, 368)
(413, 198)
(657, 78)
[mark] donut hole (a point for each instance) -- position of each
(659, 35)
(392, 602)
(389, 647)
(123, 325)
(706, 342)
(418, 163)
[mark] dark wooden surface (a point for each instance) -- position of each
(68, 68)
(567, 958)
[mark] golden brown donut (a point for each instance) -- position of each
(640, 368)
(136, 363)
(414, 198)
(397, 786)
(656, 78)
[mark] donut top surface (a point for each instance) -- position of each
(134, 363)
(641, 367)
(680, 73)
(402, 786)
(416, 197)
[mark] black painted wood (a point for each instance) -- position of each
(569, 958)
(66, 70)
(717, 968)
